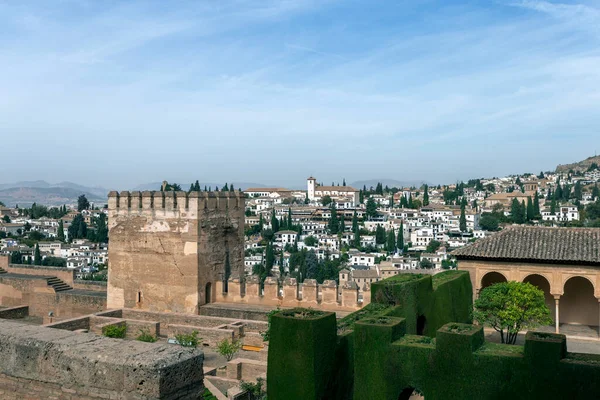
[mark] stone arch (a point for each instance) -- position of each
(543, 283)
(578, 305)
(569, 277)
(491, 278)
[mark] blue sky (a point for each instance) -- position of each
(119, 93)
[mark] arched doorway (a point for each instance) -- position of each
(492, 278)
(578, 305)
(208, 293)
(542, 283)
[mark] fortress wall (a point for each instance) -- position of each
(310, 294)
(39, 363)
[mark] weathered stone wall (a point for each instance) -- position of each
(64, 305)
(167, 249)
(309, 294)
(14, 312)
(40, 363)
(4, 261)
(98, 286)
(64, 274)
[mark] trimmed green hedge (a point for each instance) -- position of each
(302, 348)
(375, 354)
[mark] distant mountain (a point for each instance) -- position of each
(186, 186)
(579, 166)
(386, 182)
(49, 196)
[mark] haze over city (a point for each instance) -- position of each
(122, 93)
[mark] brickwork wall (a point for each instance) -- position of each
(167, 248)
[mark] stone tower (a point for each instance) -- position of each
(311, 185)
(167, 249)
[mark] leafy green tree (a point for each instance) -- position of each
(516, 212)
(54, 262)
(37, 256)
(6, 219)
(16, 257)
(488, 222)
(312, 265)
(82, 203)
(433, 246)
(510, 307)
(592, 210)
(61, 231)
(577, 192)
(229, 348)
(426, 264)
(595, 192)
(326, 200)
(310, 241)
(553, 206)
(426, 195)
(400, 238)
(371, 210)
(78, 228)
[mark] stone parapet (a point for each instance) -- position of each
(309, 294)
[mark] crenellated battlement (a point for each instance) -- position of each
(173, 201)
(290, 293)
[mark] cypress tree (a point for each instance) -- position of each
(334, 224)
(391, 241)
(344, 182)
(529, 213)
(536, 207)
(289, 218)
(191, 188)
(595, 192)
(274, 222)
(462, 222)
(515, 211)
(354, 222)
(400, 239)
(392, 201)
(37, 257)
(361, 197)
(281, 270)
(357, 238)
(553, 206)
(269, 258)
(380, 235)
(426, 196)
(61, 231)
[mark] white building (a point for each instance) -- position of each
(338, 193)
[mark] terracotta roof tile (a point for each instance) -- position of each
(537, 244)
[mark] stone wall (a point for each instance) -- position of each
(309, 294)
(14, 312)
(99, 286)
(4, 260)
(64, 274)
(37, 362)
(167, 249)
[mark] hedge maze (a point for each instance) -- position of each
(416, 335)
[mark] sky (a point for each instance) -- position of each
(117, 94)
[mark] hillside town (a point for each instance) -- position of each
(354, 236)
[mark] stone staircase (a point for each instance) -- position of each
(58, 285)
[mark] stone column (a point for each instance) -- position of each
(556, 313)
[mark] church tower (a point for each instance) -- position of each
(312, 184)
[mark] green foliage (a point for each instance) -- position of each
(117, 331)
(489, 222)
(310, 241)
(16, 257)
(229, 348)
(146, 336)
(462, 222)
(256, 391)
(267, 334)
(433, 246)
(61, 231)
(426, 264)
(6, 219)
(426, 195)
(326, 200)
(82, 203)
(101, 235)
(371, 208)
(37, 257)
(391, 241)
(400, 238)
(379, 235)
(510, 307)
(78, 228)
(518, 212)
(207, 395)
(188, 339)
(54, 262)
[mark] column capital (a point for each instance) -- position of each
(557, 296)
